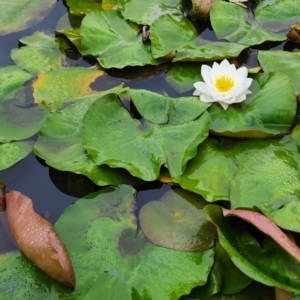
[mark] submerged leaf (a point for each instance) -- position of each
(176, 222)
(37, 238)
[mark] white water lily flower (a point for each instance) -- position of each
(223, 83)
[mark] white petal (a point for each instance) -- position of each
(224, 105)
(224, 63)
(207, 98)
(242, 73)
(240, 98)
(197, 93)
(202, 87)
(206, 73)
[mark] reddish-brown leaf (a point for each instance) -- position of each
(37, 238)
(268, 227)
(2, 197)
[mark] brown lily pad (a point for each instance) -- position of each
(37, 238)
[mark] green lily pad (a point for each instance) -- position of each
(277, 15)
(211, 171)
(20, 15)
(282, 61)
(260, 261)
(111, 260)
(176, 222)
(269, 180)
(20, 118)
(53, 88)
(21, 279)
(60, 144)
(82, 7)
(257, 116)
(113, 41)
(202, 50)
(41, 53)
(235, 24)
(107, 126)
(146, 12)
(182, 76)
(11, 79)
(173, 110)
(168, 33)
(13, 152)
(224, 278)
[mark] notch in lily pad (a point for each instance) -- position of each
(176, 222)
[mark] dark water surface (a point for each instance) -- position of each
(53, 191)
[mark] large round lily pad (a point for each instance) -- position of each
(40, 53)
(262, 261)
(176, 222)
(258, 116)
(211, 171)
(113, 41)
(107, 126)
(112, 260)
(270, 180)
(236, 24)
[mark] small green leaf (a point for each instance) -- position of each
(82, 7)
(41, 53)
(176, 222)
(13, 152)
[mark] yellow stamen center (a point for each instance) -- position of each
(224, 83)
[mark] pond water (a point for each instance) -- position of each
(53, 191)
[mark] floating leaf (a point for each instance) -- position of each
(82, 7)
(13, 152)
(237, 25)
(11, 79)
(113, 41)
(266, 226)
(282, 61)
(53, 88)
(262, 262)
(176, 222)
(60, 144)
(20, 15)
(277, 15)
(111, 260)
(145, 12)
(257, 116)
(269, 180)
(41, 53)
(37, 238)
(202, 50)
(211, 171)
(21, 279)
(168, 33)
(107, 125)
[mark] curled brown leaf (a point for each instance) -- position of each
(37, 238)
(2, 196)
